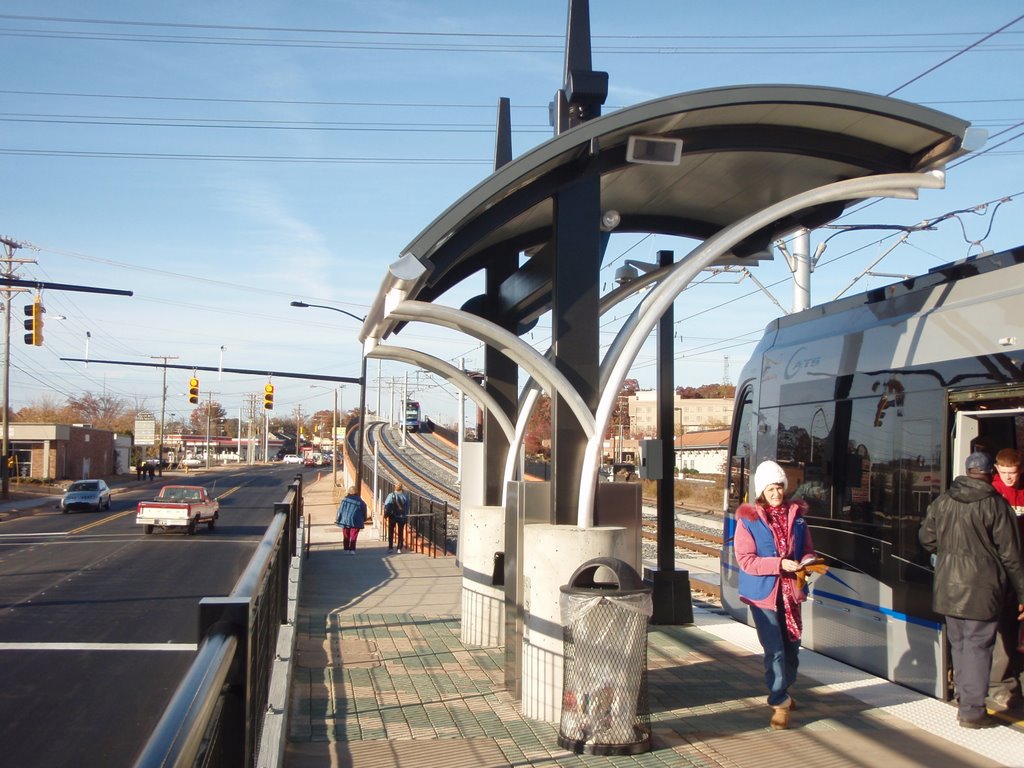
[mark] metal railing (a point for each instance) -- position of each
(430, 526)
(428, 518)
(215, 715)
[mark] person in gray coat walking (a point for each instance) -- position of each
(974, 535)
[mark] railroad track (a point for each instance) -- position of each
(414, 468)
(690, 540)
(418, 466)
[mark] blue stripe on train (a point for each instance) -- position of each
(899, 616)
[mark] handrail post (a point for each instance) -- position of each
(235, 718)
(291, 515)
(291, 547)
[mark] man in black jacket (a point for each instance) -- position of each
(974, 534)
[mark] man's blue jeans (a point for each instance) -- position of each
(780, 653)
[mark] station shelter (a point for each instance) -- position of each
(728, 170)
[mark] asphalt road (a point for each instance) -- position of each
(98, 621)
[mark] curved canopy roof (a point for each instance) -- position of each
(743, 149)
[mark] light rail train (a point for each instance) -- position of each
(413, 416)
(871, 404)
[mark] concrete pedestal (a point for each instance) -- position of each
(482, 530)
(673, 604)
(551, 553)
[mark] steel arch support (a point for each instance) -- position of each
(534, 363)
(470, 388)
(639, 326)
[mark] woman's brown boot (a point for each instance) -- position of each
(780, 717)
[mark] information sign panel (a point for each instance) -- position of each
(145, 429)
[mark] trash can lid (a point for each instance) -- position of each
(627, 580)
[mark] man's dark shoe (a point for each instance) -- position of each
(985, 721)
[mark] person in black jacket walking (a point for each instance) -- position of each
(973, 533)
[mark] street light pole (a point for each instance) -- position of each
(334, 440)
(362, 393)
(362, 425)
(334, 436)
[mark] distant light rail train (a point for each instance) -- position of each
(413, 416)
(871, 404)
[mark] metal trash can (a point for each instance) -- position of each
(605, 709)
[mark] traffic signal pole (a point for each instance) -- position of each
(14, 285)
(4, 468)
(10, 246)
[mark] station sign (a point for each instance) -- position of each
(145, 428)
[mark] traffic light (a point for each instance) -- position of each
(193, 390)
(268, 397)
(34, 325)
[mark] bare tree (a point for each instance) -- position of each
(47, 409)
(211, 414)
(102, 411)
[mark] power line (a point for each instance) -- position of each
(405, 105)
(172, 156)
(961, 52)
(266, 125)
(287, 102)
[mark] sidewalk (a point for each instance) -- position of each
(382, 679)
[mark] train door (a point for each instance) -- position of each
(984, 420)
(987, 420)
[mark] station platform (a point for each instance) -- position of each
(382, 679)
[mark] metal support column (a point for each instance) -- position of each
(501, 373)
(574, 321)
(672, 602)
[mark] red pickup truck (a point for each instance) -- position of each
(178, 506)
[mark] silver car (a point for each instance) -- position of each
(91, 495)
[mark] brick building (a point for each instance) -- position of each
(688, 415)
(65, 451)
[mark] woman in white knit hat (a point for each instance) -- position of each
(771, 541)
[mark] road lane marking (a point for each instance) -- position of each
(180, 647)
(106, 519)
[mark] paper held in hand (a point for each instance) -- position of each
(809, 564)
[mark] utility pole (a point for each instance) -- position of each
(250, 452)
(405, 406)
(209, 418)
(209, 407)
(163, 407)
(10, 246)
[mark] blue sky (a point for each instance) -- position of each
(221, 159)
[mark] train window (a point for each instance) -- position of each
(804, 450)
(920, 477)
(869, 477)
(742, 448)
